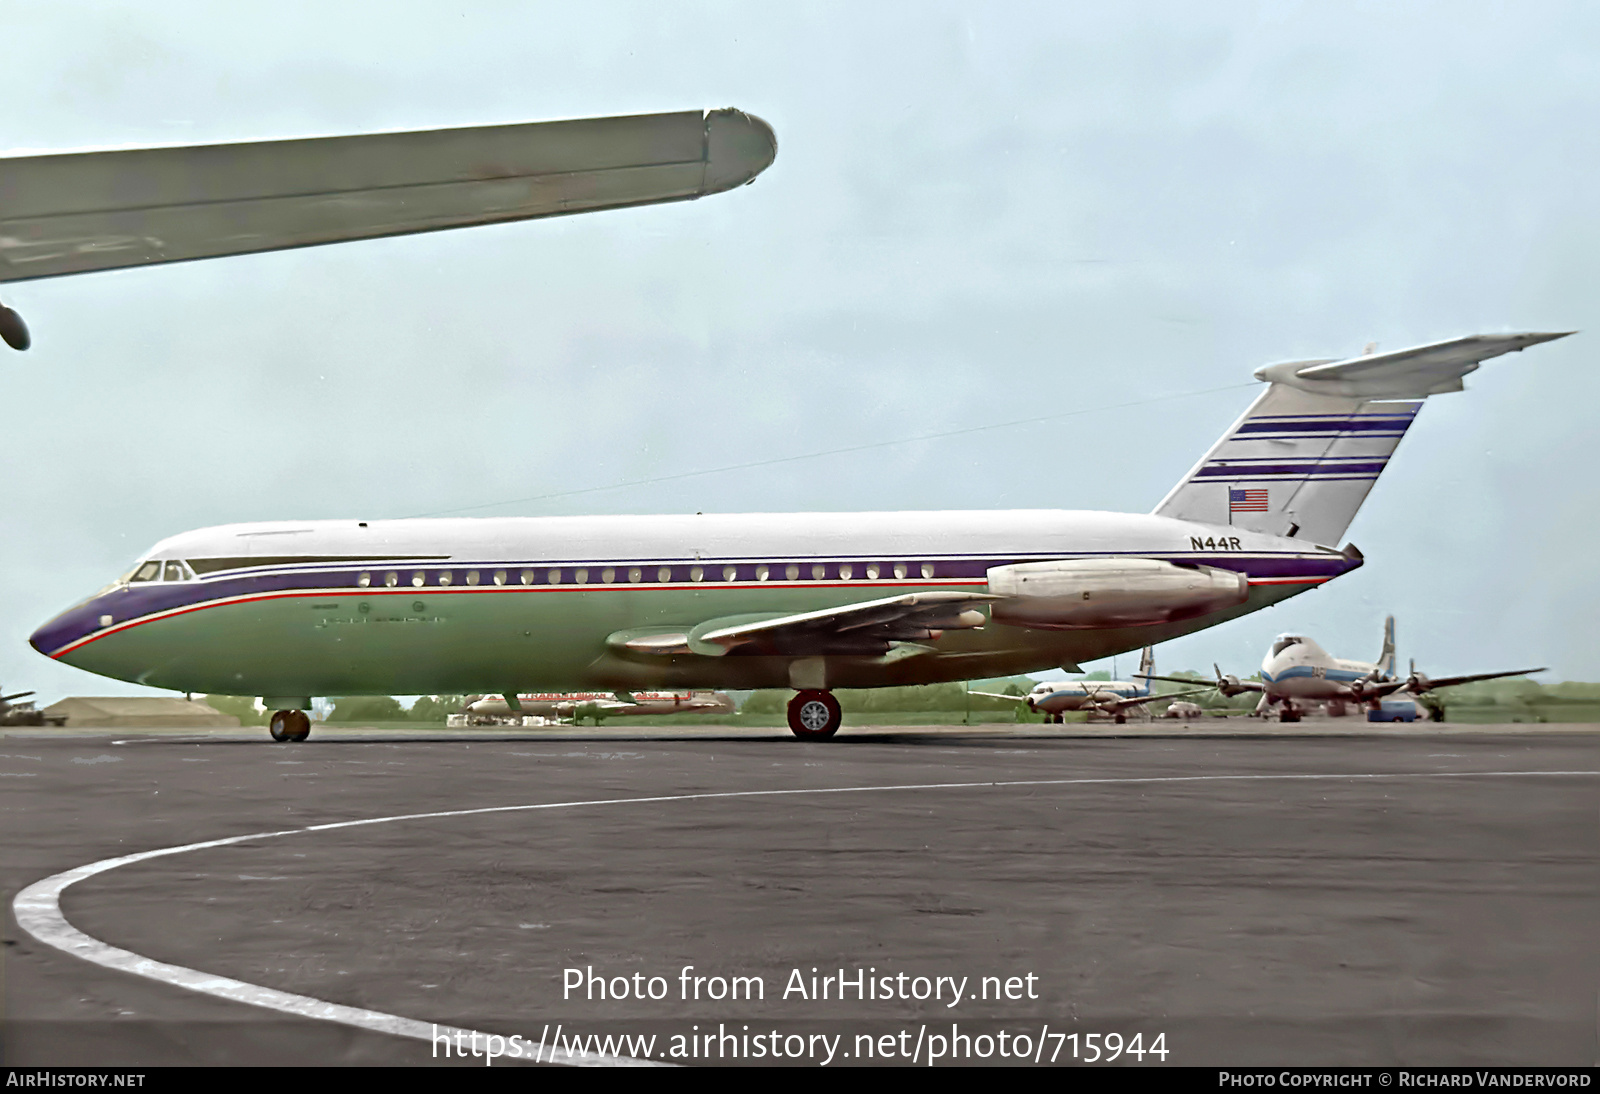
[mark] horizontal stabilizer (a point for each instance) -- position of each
(1303, 458)
(1404, 374)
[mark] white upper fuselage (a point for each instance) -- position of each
(1298, 668)
(1046, 533)
(1054, 697)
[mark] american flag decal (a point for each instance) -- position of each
(1247, 501)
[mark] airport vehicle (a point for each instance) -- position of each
(1106, 698)
(609, 704)
(1185, 710)
(23, 714)
(84, 211)
(1297, 672)
(812, 601)
(1395, 710)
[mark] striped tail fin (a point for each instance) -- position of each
(1303, 458)
(1386, 657)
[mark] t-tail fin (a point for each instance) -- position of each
(1147, 664)
(1386, 658)
(1304, 456)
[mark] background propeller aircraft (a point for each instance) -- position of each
(85, 211)
(1104, 698)
(1298, 671)
(23, 714)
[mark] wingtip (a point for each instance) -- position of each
(1534, 338)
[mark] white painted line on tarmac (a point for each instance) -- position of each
(38, 907)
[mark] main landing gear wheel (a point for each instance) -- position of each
(289, 725)
(814, 715)
(1288, 715)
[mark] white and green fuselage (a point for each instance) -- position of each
(293, 610)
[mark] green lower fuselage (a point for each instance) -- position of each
(453, 606)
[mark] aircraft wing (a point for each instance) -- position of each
(997, 695)
(1237, 685)
(1417, 682)
(866, 628)
(1124, 704)
(78, 212)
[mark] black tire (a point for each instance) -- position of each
(814, 715)
(289, 725)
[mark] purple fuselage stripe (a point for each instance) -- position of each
(137, 601)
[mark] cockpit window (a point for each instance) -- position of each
(1284, 642)
(175, 572)
(150, 571)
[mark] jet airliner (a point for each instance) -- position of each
(289, 610)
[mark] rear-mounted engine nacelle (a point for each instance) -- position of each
(1110, 592)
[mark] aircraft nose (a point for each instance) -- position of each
(739, 147)
(52, 634)
(67, 627)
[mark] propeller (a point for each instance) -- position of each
(1417, 682)
(1229, 685)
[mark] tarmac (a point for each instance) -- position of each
(1249, 893)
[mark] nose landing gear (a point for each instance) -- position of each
(289, 725)
(814, 715)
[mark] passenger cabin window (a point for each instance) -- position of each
(391, 579)
(608, 575)
(899, 569)
(418, 578)
(499, 577)
(664, 574)
(528, 576)
(872, 572)
(846, 572)
(792, 572)
(635, 574)
(366, 579)
(581, 577)
(472, 577)
(445, 577)
(761, 573)
(927, 569)
(730, 573)
(818, 572)
(148, 572)
(553, 577)
(697, 573)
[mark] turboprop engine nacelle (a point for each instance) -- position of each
(1110, 592)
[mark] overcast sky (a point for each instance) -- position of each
(976, 215)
